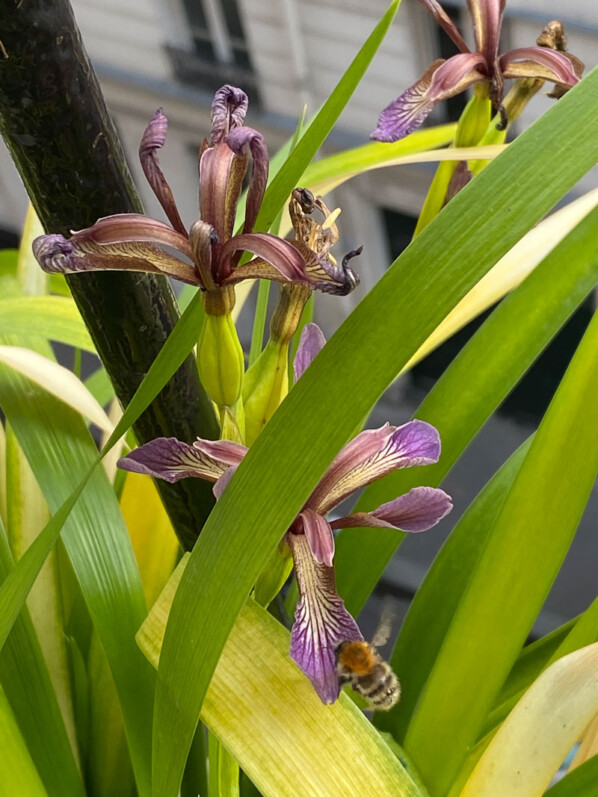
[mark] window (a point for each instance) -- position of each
(220, 53)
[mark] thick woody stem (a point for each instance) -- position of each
(55, 123)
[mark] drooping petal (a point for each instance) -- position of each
(325, 274)
(538, 62)
(152, 140)
(418, 510)
(229, 107)
(272, 251)
(170, 459)
(321, 621)
(133, 227)
(487, 20)
(59, 255)
(237, 140)
(446, 23)
(311, 343)
(319, 536)
(371, 455)
(443, 79)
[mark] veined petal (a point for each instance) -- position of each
(221, 174)
(152, 140)
(237, 140)
(132, 228)
(57, 255)
(226, 452)
(418, 510)
(319, 536)
(321, 621)
(371, 455)
(324, 274)
(170, 459)
(275, 251)
(311, 343)
(443, 79)
(487, 19)
(446, 23)
(538, 62)
(229, 107)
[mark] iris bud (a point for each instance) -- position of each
(220, 360)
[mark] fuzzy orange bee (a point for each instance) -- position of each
(361, 665)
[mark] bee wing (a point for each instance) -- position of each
(382, 633)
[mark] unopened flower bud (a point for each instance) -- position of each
(220, 360)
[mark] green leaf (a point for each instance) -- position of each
(59, 449)
(18, 775)
(438, 597)
(513, 576)
(223, 777)
(581, 782)
(481, 376)
(56, 318)
(287, 177)
(582, 633)
(267, 715)
(27, 686)
(359, 361)
(340, 167)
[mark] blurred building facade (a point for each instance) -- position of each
(287, 53)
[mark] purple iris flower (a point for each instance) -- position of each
(321, 620)
(444, 79)
(211, 252)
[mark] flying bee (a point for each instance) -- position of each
(361, 665)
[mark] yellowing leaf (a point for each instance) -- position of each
(510, 271)
(56, 380)
(154, 541)
(533, 741)
(265, 712)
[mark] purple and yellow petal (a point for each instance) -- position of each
(486, 16)
(418, 510)
(311, 343)
(370, 456)
(443, 79)
(324, 274)
(539, 62)
(152, 140)
(319, 536)
(59, 255)
(270, 250)
(321, 621)
(446, 23)
(170, 459)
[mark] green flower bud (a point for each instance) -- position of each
(266, 385)
(220, 360)
(475, 118)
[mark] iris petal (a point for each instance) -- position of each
(170, 459)
(443, 79)
(319, 536)
(311, 343)
(418, 510)
(371, 455)
(321, 621)
(152, 140)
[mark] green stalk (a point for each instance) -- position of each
(55, 123)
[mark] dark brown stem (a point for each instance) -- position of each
(55, 123)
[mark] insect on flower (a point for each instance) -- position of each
(360, 664)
